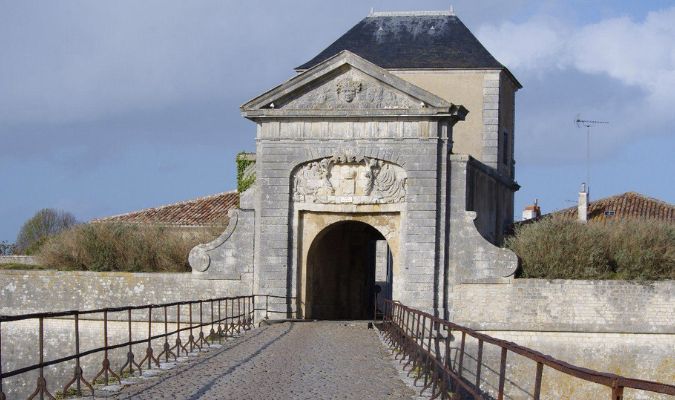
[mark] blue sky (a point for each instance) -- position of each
(110, 107)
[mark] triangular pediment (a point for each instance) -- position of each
(346, 84)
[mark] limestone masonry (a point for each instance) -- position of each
(417, 152)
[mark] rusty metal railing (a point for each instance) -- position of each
(423, 342)
(226, 316)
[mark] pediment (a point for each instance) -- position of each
(347, 85)
(349, 89)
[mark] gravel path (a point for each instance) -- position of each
(292, 360)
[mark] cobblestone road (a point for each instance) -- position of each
(301, 360)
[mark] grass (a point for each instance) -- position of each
(627, 250)
(71, 392)
(16, 266)
(104, 247)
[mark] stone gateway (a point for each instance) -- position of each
(384, 169)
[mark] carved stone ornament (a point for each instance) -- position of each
(351, 91)
(349, 179)
(199, 258)
(347, 89)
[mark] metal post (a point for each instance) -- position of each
(461, 355)
(267, 306)
(105, 345)
(537, 381)
(149, 350)
(2, 392)
(78, 369)
(227, 328)
(480, 362)
(41, 379)
(131, 353)
(166, 335)
(191, 339)
(238, 315)
(178, 327)
(212, 332)
(220, 319)
(502, 374)
(617, 391)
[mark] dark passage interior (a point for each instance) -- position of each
(341, 266)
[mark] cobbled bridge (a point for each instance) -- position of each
(217, 349)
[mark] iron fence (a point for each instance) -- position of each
(225, 316)
(424, 343)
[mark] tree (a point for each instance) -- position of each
(45, 223)
(7, 249)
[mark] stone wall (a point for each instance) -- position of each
(23, 292)
(28, 260)
(624, 328)
(567, 306)
(644, 356)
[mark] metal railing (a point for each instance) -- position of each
(424, 342)
(225, 316)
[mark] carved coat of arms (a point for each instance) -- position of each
(349, 179)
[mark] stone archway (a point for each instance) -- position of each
(341, 264)
(342, 257)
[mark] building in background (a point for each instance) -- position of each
(207, 211)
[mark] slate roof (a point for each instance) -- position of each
(203, 211)
(412, 40)
(623, 206)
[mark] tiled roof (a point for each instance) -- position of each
(411, 40)
(203, 211)
(622, 206)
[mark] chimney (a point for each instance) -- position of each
(532, 212)
(582, 208)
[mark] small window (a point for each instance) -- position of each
(505, 147)
(610, 213)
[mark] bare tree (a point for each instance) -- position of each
(45, 223)
(7, 249)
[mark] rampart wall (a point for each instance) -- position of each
(23, 292)
(619, 327)
(625, 328)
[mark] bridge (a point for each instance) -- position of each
(247, 347)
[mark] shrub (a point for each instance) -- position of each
(123, 247)
(45, 223)
(626, 249)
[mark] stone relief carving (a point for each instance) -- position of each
(347, 89)
(350, 91)
(349, 179)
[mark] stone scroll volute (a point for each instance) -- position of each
(349, 179)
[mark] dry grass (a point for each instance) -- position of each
(123, 247)
(17, 266)
(627, 249)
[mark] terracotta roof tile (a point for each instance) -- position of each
(203, 211)
(627, 205)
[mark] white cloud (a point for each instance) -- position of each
(632, 52)
(616, 69)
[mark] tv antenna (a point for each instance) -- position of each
(588, 124)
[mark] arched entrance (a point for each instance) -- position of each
(346, 262)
